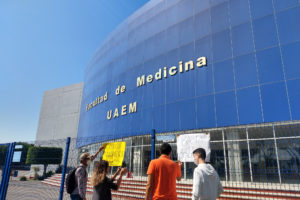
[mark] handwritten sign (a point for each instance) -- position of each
(114, 153)
(187, 143)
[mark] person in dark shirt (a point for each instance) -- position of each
(102, 185)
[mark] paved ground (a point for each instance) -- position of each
(33, 190)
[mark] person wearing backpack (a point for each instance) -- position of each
(102, 185)
(81, 176)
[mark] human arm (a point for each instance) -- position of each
(179, 170)
(116, 186)
(149, 187)
(116, 174)
(96, 154)
(122, 172)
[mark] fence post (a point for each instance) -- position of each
(6, 175)
(153, 144)
(64, 169)
(4, 170)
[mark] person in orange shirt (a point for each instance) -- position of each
(162, 175)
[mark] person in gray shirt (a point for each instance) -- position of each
(206, 181)
(81, 175)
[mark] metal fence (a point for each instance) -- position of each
(5, 154)
(253, 162)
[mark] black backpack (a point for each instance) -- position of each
(71, 181)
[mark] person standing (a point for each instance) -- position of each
(206, 181)
(162, 175)
(102, 185)
(81, 175)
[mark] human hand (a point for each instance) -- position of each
(119, 170)
(101, 148)
(179, 163)
(123, 171)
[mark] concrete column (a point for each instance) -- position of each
(234, 156)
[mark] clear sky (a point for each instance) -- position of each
(46, 44)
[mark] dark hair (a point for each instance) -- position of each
(165, 149)
(201, 152)
(102, 165)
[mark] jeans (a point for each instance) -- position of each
(75, 197)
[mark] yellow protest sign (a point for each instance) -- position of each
(114, 153)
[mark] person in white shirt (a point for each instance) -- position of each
(206, 181)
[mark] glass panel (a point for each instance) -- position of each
(216, 135)
(287, 130)
(234, 134)
(217, 158)
(147, 140)
(264, 162)
(146, 159)
(174, 151)
(137, 141)
(260, 132)
(190, 166)
(289, 159)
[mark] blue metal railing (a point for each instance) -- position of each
(61, 192)
(153, 144)
(6, 170)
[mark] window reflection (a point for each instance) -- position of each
(263, 160)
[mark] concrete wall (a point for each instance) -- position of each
(59, 113)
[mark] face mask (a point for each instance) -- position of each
(196, 163)
(88, 162)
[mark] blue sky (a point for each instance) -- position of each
(44, 45)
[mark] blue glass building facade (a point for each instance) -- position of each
(246, 95)
(252, 74)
